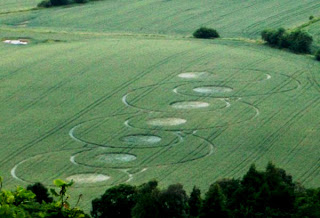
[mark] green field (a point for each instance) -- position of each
(119, 93)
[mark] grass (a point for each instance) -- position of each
(7, 6)
(71, 97)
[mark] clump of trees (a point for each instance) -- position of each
(296, 40)
(206, 33)
(269, 193)
(53, 3)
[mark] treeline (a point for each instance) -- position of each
(269, 193)
(297, 40)
(53, 3)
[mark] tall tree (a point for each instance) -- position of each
(117, 201)
(174, 202)
(214, 204)
(195, 202)
(148, 204)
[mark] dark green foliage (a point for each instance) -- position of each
(41, 192)
(60, 2)
(148, 204)
(54, 3)
(195, 202)
(24, 203)
(117, 201)
(273, 37)
(311, 17)
(206, 33)
(81, 1)
(173, 202)
(308, 203)
(229, 188)
(318, 55)
(214, 203)
(297, 41)
(45, 4)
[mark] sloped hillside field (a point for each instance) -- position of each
(133, 109)
(107, 101)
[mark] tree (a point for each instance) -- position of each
(300, 41)
(229, 188)
(214, 204)
(281, 187)
(273, 37)
(174, 202)
(195, 202)
(117, 201)
(41, 192)
(148, 204)
(206, 33)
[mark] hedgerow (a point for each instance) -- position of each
(296, 40)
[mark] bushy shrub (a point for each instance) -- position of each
(59, 2)
(50, 3)
(45, 4)
(273, 37)
(81, 1)
(318, 55)
(297, 40)
(206, 33)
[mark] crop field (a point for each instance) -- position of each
(178, 17)
(81, 102)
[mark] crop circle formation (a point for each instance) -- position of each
(192, 101)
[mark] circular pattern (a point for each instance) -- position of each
(192, 75)
(212, 89)
(141, 139)
(169, 121)
(161, 98)
(47, 164)
(191, 148)
(227, 74)
(237, 113)
(189, 104)
(229, 89)
(101, 132)
(115, 157)
(88, 178)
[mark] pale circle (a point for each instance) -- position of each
(212, 89)
(191, 75)
(115, 158)
(141, 139)
(166, 121)
(16, 42)
(88, 178)
(190, 105)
